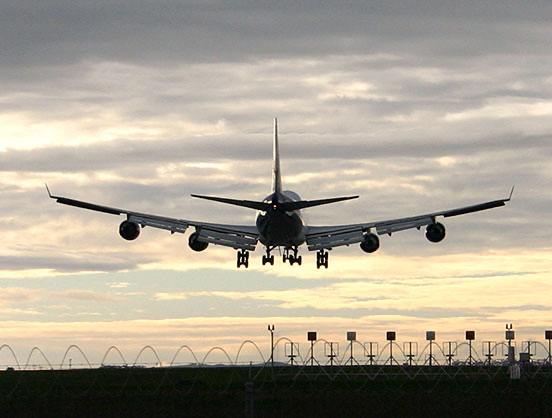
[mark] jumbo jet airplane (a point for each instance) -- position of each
(279, 224)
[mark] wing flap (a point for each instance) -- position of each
(233, 240)
(167, 224)
(389, 228)
(330, 240)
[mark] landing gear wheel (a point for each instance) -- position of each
(243, 258)
(268, 259)
(322, 259)
(290, 254)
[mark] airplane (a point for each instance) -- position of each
(279, 224)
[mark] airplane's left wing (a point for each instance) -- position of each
(240, 237)
(328, 237)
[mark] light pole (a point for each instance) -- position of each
(548, 336)
(271, 330)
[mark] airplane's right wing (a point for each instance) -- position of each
(328, 237)
(235, 236)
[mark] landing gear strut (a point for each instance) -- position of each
(322, 259)
(292, 258)
(243, 258)
(268, 258)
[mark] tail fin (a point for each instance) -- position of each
(276, 176)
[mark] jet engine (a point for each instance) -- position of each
(129, 230)
(435, 232)
(370, 243)
(195, 244)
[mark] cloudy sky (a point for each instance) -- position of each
(416, 106)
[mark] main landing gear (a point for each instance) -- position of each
(290, 254)
(322, 259)
(292, 258)
(268, 258)
(243, 258)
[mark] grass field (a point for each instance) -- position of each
(279, 392)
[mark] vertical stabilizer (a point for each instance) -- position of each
(276, 177)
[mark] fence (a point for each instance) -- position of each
(319, 352)
(391, 378)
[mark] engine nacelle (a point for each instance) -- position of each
(195, 244)
(129, 230)
(370, 244)
(435, 232)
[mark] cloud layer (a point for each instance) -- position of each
(417, 106)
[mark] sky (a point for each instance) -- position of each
(416, 106)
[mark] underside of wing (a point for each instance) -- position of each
(242, 237)
(320, 238)
(328, 237)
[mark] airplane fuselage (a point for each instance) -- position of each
(280, 228)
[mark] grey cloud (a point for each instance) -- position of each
(249, 307)
(62, 264)
(149, 64)
(151, 31)
(517, 308)
(84, 295)
(121, 154)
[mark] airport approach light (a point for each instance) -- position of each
(312, 337)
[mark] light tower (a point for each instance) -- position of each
(271, 330)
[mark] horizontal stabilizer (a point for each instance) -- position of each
(243, 203)
(303, 204)
(286, 206)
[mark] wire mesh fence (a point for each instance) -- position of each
(285, 352)
(256, 382)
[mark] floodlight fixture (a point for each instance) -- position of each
(470, 336)
(351, 337)
(548, 334)
(430, 336)
(311, 336)
(391, 336)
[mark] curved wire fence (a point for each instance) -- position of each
(317, 371)
(290, 353)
